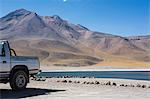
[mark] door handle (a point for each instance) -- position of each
(4, 62)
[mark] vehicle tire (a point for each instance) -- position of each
(19, 80)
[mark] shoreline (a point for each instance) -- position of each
(143, 74)
(84, 88)
(92, 68)
(71, 70)
(102, 80)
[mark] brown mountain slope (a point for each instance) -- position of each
(56, 41)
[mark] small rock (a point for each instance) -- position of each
(143, 86)
(84, 82)
(122, 85)
(70, 81)
(91, 82)
(96, 82)
(43, 80)
(109, 83)
(38, 79)
(57, 81)
(114, 84)
(138, 85)
(64, 81)
(132, 85)
(88, 83)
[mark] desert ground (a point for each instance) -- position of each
(80, 88)
(93, 68)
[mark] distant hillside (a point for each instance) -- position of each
(58, 42)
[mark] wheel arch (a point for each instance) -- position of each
(17, 68)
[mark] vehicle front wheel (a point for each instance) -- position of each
(19, 80)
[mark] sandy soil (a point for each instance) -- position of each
(89, 68)
(80, 88)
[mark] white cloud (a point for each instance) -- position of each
(64, 0)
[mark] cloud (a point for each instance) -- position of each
(64, 0)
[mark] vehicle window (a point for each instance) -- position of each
(1, 49)
(1, 46)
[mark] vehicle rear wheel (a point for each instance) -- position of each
(19, 80)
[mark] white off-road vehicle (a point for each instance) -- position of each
(16, 69)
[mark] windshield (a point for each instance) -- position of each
(1, 46)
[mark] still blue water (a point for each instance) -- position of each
(136, 75)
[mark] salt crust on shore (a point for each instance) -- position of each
(54, 88)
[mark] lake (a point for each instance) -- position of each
(136, 75)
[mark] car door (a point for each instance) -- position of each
(4, 60)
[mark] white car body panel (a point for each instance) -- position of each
(31, 62)
(8, 62)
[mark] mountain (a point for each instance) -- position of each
(58, 42)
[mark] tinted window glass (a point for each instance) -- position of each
(1, 49)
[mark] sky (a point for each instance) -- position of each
(119, 17)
